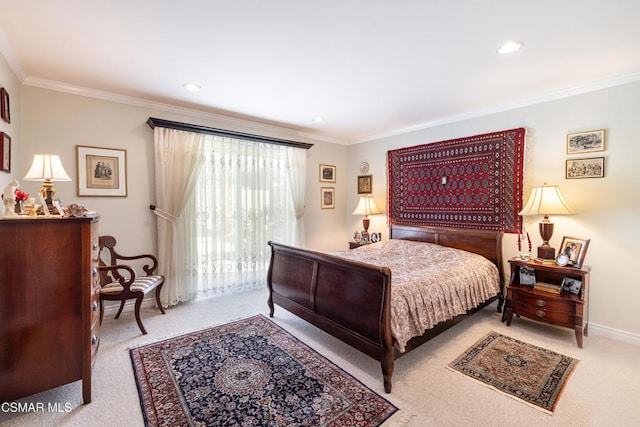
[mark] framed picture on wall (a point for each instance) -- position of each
(365, 185)
(584, 168)
(327, 198)
(5, 149)
(5, 106)
(101, 171)
(586, 142)
(327, 173)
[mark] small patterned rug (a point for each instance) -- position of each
(249, 373)
(524, 371)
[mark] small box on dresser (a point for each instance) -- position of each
(564, 308)
(49, 306)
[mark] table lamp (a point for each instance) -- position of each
(546, 200)
(47, 168)
(366, 206)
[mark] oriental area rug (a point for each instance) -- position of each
(249, 372)
(524, 371)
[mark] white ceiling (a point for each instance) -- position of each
(370, 67)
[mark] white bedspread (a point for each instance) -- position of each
(429, 283)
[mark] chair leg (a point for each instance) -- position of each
(137, 308)
(121, 307)
(159, 304)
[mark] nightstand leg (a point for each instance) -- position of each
(579, 335)
(509, 316)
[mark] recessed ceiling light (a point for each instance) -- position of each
(510, 47)
(318, 119)
(191, 87)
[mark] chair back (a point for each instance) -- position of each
(107, 257)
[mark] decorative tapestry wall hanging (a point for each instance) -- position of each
(471, 182)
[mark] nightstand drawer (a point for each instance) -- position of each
(545, 302)
(566, 317)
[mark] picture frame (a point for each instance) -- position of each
(592, 167)
(571, 285)
(357, 237)
(586, 142)
(58, 207)
(576, 250)
(43, 204)
(101, 171)
(5, 106)
(5, 150)
(527, 276)
(365, 184)
(327, 173)
(327, 198)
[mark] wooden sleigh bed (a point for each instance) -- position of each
(351, 300)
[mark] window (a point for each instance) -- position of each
(245, 195)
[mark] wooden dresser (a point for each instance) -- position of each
(49, 304)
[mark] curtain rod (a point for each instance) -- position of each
(153, 122)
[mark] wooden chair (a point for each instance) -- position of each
(119, 282)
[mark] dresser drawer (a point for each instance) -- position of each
(95, 342)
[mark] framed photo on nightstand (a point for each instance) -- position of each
(572, 285)
(527, 276)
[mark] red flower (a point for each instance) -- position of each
(21, 196)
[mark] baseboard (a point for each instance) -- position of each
(614, 334)
(111, 308)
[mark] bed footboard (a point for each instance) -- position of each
(347, 299)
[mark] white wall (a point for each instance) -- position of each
(10, 82)
(608, 208)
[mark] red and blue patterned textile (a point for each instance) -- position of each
(471, 182)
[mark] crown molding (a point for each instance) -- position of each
(222, 119)
(564, 93)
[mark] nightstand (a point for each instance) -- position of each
(353, 245)
(565, 309)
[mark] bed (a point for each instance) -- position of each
(352, 300)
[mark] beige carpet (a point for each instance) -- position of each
(605, 391)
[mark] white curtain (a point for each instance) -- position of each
(246, 194)
(178, 159)
(297, 174)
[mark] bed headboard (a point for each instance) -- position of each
(487, 243)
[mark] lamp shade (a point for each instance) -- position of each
(546, 200)
(46, 167)
(366, 206)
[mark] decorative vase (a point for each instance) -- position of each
(19, 208)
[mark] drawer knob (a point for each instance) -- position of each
(94, 246)
(540, 303)
(94, 272)
(94, 306)
(94, 339)
(540, 313)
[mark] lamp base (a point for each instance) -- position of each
(546, 252)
